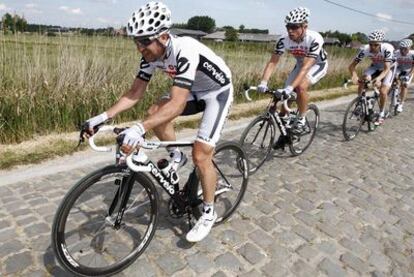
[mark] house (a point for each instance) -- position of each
(332, 41)
(246, 37)
(354, 44)
(188, 33)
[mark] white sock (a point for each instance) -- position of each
(208, 209)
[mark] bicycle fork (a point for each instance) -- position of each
(123, 193)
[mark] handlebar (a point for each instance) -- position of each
(138, 155)
(275, 94)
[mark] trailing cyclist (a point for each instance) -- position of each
(405, 68)
(380, 71)
(311, 64)
(201, 83)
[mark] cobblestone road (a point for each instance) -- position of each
(341, 209)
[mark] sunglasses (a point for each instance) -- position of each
(293, 27)
(374, 44)
(143, 42)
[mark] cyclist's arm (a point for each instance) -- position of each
(308, 62)
(129, 99)
(387, 66)
(170, 110)
(352, 70)
(270, 67)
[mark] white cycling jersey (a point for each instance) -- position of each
(404, 63)
(384, 55)
(310, 46)
(191, 64)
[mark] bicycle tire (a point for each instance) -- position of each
(232, 179)
(355, 109)
(266, 133)
(84, 193)
(373, 116)
(312, 122)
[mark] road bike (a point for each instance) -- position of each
(259, 136)
(363, 109)
(108, 218)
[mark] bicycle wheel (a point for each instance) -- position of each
(300, 142)
(373, 115)
(232, 178)
(84, 238)
(354, 118)
(257, 140)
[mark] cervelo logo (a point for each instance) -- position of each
(157, 174)
(218, 75)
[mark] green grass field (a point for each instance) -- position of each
(52, 84)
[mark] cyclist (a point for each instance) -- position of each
(311, 64)
(405, 68)
(201, 83)
(380, 71)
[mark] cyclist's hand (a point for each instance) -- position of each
(262, 87)
(285, 92)
(133, 137)
(405, 79)
(355, 80)
(91, 126)
(377, 82)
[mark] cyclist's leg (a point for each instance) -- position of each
(217, 106)
(384, 89)
(165, 132)
(404, 89)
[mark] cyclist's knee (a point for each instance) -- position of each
(153, 109)
(202, 154)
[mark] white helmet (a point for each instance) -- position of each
(406, 43)
(298, 16)
(151, 19)
(376, 36)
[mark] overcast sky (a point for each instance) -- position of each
(262, 14)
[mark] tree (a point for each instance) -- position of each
(202, 23)
(241, 28)
(14, 23)
(231, 34)
(361, 37)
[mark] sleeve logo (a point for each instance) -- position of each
(183, 64)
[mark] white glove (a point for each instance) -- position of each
(134, 135)
(262, 87)
(96, 120)
(285, 92)
(405, 78)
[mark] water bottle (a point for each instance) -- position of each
(169, 173)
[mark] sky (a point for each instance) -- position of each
(261, 14)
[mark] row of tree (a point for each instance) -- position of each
(15, 23)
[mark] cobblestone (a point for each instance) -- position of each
(340, 209)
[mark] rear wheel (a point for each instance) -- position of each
(85, 238)
(354, 118)
(257, 140)
(300, 142)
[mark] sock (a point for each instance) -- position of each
(382, 113)
(208, 208)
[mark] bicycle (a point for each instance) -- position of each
(259, 136)
(363, 109)
(108, 218)
(394, 95)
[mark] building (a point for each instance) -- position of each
(332, 41)
(245, 37)
(188, 33)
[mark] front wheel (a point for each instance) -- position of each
(257, 140)
(85, 238)
(300, 142)
(354, 118)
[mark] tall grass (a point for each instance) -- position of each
(51, 84)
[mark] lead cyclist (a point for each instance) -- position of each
(201, 83)
(311, 64)
(405, 68)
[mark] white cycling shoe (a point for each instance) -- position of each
(202, 228)
(400, 108)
